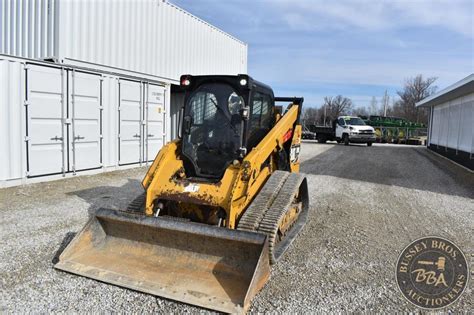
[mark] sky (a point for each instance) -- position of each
(358, 49)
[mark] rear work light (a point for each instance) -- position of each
(185, 80)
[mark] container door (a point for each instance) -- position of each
(155, 120)
(45, 113)
(85, 113)
(130, 125)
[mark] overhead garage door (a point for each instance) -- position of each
(45, 111)
(130, 122)
(86, 121)
(155, 126)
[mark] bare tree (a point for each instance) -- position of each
(336, 106)
(373, 106)
(385, 104)
(311, 115)
(360, 111)
(414, 90)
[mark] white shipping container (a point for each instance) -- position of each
(63, 120)
(149, 37)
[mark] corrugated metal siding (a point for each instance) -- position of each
(145, 36)
(28, 28)
(451, 125)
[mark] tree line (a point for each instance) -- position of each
(403, 105)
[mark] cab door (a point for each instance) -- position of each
(340, 127)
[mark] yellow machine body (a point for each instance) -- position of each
(213, 266)
(240, 183)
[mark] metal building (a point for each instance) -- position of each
(451, 126)
(89, 86)
(147, 37)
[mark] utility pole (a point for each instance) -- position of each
(325, 114)
(385, 103)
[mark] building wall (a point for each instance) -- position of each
(118, 60)
(150, 37)
(452, 124)
(12, 128)
(452, 128)
(60, 120)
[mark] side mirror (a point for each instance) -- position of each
(187, 121)
(180, 123)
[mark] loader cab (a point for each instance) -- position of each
(224, 118)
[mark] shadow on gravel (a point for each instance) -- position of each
(403, 166)
(110, 197)
(65, 242)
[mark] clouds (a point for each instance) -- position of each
(371, 15)
(356, 48)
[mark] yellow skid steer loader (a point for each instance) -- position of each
(221, 203)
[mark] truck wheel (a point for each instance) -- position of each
(369, 144)
(345, 137)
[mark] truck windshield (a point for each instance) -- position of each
(354, 121)
(215, 134)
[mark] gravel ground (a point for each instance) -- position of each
(367, 204)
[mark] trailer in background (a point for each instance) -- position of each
(397, 130)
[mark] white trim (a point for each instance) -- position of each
(204, 22)
(450, 88)
(48, 178)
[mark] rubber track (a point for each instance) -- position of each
(254, 214)
(138, 204)
(270, 222)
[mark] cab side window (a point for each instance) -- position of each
(341, 122)
(261, 115)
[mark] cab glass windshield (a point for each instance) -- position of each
(214, 136)
(354, 121)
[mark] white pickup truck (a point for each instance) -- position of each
(346, 129)
(350, 129)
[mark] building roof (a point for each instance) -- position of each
(458, 89)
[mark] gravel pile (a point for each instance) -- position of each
(367, 204)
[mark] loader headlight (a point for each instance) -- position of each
(243, 80)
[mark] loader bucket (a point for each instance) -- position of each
(215, 268)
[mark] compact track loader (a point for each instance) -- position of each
(221, 203)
